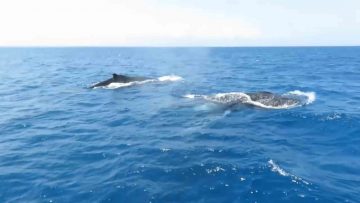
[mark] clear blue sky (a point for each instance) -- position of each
(179, 22)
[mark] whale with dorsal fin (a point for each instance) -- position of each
(118, 78)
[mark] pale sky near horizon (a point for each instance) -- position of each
(179, 22)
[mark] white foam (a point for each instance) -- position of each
(165, 149)
(192, 96)
(333, 117)
(215, 170)
(311, 96)
(171, 78)
(276, 168)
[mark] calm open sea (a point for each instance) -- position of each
(61, 141)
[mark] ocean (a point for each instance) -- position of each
(181, 136)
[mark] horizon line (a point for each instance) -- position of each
(178, 46)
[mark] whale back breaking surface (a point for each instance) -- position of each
(103, 83)
(262, 99)
(125, 79)
(271, 99)
(118, 78)
(260, 95)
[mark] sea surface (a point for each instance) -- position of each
(61, 141)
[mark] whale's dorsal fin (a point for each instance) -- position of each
(120, 78)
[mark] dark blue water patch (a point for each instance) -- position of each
(63, 142)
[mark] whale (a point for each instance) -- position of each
(118, 78)
(262, 99)
(273, 99)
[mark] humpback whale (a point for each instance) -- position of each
(274, 100)
(261, 99)
(117, 78)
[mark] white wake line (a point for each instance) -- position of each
(166, 78)
(276, 168)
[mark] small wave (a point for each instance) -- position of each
(276, 168)
(166, 78)
(231, 98)
(333, 117)
(165, 149)
(217, 169)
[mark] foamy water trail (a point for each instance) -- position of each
(277, 169)
(171, 78)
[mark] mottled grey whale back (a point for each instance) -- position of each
(260, 95)
(118, 78)
(271, 99)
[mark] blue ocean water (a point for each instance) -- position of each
(63, 142)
